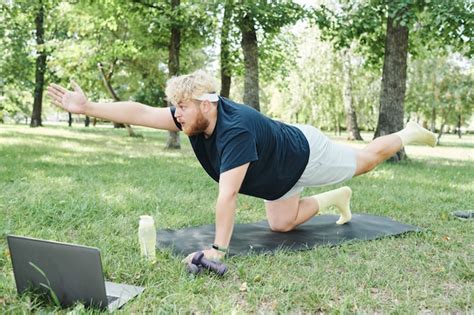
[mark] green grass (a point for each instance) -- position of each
(89, 186)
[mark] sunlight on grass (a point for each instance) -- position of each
(382, 174)
(90, 187)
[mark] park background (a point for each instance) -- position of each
(355, 69)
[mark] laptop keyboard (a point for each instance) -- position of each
(111, 299)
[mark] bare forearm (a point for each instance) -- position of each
(225, 214)
(131, 113)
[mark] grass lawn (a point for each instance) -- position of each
(89, 186)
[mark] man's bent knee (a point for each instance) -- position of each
(281, 226)
(281, 214)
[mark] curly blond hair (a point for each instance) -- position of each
(189, 86)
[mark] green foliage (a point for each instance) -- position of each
(447, 24)
(270, 16)
(131, 40)
(440, 89)
(312, 90)
(278, 53)
(16, 63)
(19, 49)
(439, 24)
(276, 45)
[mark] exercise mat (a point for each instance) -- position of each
(257, 237)
(463, 214)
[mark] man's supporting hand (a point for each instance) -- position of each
(211, 254)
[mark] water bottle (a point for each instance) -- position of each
(147, 237)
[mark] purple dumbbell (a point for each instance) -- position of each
(194, 269)
(217, 267)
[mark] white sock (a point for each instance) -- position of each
(414, 133)
(340, 198)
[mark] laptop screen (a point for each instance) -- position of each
(67, 273)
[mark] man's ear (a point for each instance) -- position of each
(206, 106)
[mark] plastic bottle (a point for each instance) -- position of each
(147, 237)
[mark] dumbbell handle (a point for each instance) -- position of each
(217, 267)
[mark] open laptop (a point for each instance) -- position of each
(68, 273)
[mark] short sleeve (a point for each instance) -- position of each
(173, 110)
(240, 148)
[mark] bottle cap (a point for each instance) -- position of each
(146, 218)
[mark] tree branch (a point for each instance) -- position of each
(147, 5)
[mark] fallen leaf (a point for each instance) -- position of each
(243, 287)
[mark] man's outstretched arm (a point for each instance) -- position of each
(132, 113)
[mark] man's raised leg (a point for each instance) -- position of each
(382, 148)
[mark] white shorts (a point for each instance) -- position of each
(329, 162)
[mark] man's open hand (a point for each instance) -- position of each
(74, 102)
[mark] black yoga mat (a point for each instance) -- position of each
(464, 214)
(259, 239)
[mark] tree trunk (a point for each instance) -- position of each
(441, 131)
(353, 132)
(250, 50)
(87, 121)
(69, 119)
(2, 121)
(40, 68)
(394, 77)
(433, 118)
(444, 117)
(459, 126)
(106, 79)
(434, 103)
(226, 66)
(173, 68)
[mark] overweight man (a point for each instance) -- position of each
(248, 153)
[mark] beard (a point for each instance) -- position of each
(199, 126)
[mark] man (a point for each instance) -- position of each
(249, 153)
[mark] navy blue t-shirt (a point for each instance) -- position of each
(277, 152)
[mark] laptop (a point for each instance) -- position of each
(67, 273)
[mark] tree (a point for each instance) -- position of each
(267, 17)
(40, 68)
(23, 66)
(225, 58)
(311, 93)
(132, 41)
(250, 50)
(439, 91)
(394, 77)
(106, 78)
(173, 64)
(184, 25)
(352, 126)
(433, 24)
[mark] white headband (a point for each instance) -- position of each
(211, 97)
